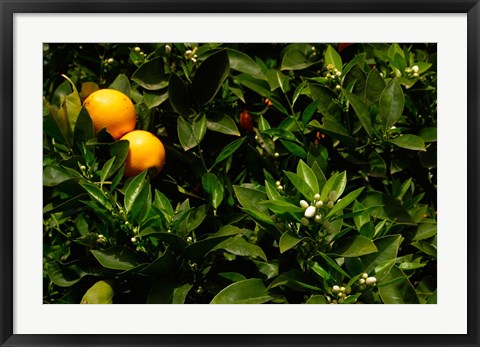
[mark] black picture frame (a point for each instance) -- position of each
(10, 7)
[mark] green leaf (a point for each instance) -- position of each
(119, 150)
(326, 98)
(317, 299)
(336, 183)
(280, 133)
(333, 264)
(176, 243)
(281, 206)
(295, 279)
(240, 247)
(64, 276)
(308, 176)
(354, 246)
(309, 111)
(384, 258)
(122, 84)
(332, 57)
(347, 200)
(409, 141)
(162, 202)
(335, 129)
(295, 60)
(373, 87)
(391, 104)
(250, 199)
(199, 128)
(190, 136)
(151, 75)
(400, 291)
(155, 98)
(179, 96)
(72, 103)
(222, 124)
(263, 89)
(263, 124)
(162, 266)
(427, 134)
(425, 230)
(180, 293)
(228, 150)
(249, 291)
(107, 169)
(294, 149)
(388, 207)
(361, 110)
(197, 251)
(243, 63)
(210, 76)
(83, 130)
(54, 175)
(134, 189)
(116, 258)
(97, 194)
(272, 192)
(277, 80)
(288, 241)
(301, 185)
(214, 188)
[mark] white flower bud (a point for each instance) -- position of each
(416, 75)
(338, 73)
(193, 60)
(276, 155)
(415, 69)
(110, 60)
(188, 52)
(189, 239)
(316, 197)
(278, 183)
(341, 300)
(340, 294)
(370, 281)
(342, 289)
(83, 167)
(329, 299)
(330, 67)
(348, 290)
(318, 218)
(361, 281)
(304, 221)
(304, 204)
(330, 204)
(338, 87)
(319, 204)
(168, 49)
(334, 302)
(408, 70)
(310, 211)
(365, 275)
(137, 49)
(133, 239)
(280, 188)
(335, 289)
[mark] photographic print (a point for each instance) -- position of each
(240, 173)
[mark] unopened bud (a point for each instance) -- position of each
(335, 289)
(338, 73)
(110, 60)
(304, 221)
(280, 188)
(361, 281)
(415, 69)
(83, 167)
(319, 204)
(310, 211)
(330, 204)
(365, 275)
(338, 87)
(304, 204)
(316, 197)
(318, 218)
(133, 239)
(348, 290)
(408, 70)
(276, 155)
(330, 67)
(416, 75)
(370, 281)
(278, 183)
(168, 49)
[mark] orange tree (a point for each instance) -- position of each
(267, 173)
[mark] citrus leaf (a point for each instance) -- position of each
(249, 291)
(210, 76)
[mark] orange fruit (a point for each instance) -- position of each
(146, 152)
(111, 109)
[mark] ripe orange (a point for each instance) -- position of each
(146, 152)
(111, 109)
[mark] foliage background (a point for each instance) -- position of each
(214, 227)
